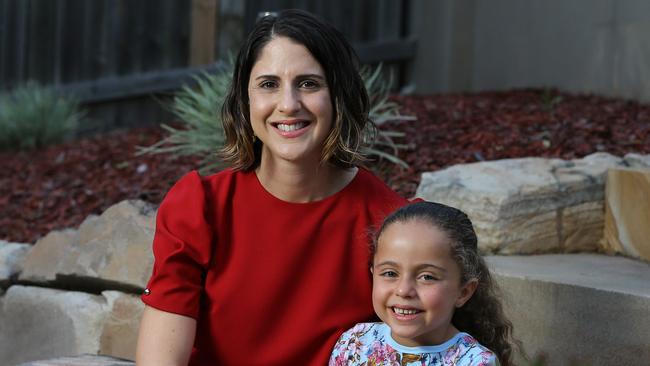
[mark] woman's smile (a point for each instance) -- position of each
(291, 128)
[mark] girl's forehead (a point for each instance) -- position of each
(414, 236)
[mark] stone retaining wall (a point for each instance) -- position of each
(76, 291)
(531, 205)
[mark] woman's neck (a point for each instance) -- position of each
(300, 183)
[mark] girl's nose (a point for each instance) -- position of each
(405, 288)
(289, 101)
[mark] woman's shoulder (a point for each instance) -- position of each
(370, 185)
(193, 184)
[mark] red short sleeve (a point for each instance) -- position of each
(182, 248)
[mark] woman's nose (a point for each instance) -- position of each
(289, 101)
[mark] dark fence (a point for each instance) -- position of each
(123, 58)
(378, 29)
(364, 22)
(66, 41)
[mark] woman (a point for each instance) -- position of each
(266, 263)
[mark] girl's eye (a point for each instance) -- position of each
(428, 277)
(389, 274)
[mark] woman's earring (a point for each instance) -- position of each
(254, 138)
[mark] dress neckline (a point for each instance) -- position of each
(311, 203)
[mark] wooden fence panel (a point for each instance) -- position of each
(365, 23)
(119, 57)
(64, 41)
(377, 29)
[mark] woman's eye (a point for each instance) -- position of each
(309, 84)
(267, 84)
(388, 274)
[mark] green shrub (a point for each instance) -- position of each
(201, 134)
(198, 109)
(381, 111)
(32, 116)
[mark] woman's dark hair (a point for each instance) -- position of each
(482, 315)
(335, 55)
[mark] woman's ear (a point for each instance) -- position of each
(466, 292)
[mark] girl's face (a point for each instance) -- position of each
(290, 106)
(417, 284)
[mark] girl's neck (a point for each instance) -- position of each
(428, 339)
(300, 183)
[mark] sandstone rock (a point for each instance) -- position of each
(12, 257)
(627, 217)
(109, 251)
(527, 205)
(47, 256)
(42, 323)
(633, 160)
(115, 246)
(64, 323)
(582, 226)
(120, 331)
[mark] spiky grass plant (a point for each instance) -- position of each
(197, 108)
(32, 116)
(382, 110)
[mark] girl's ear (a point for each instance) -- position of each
(466, 292)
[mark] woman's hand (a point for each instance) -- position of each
(165, 339)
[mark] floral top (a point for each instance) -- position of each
(370, 344)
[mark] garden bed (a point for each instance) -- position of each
(57, 187)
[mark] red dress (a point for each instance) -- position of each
(269, 282)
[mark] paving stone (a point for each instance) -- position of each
(580, 308)
(82, 360)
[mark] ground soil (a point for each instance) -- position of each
(58, 186)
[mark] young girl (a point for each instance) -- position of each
(431, 289)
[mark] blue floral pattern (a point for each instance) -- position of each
(370, 344)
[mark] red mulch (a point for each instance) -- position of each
(59, 186)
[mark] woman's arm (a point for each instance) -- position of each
(165, 339)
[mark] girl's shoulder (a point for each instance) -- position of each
(363, 331)
(360, 344)
(468, 351)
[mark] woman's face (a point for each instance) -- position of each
(290, 107)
